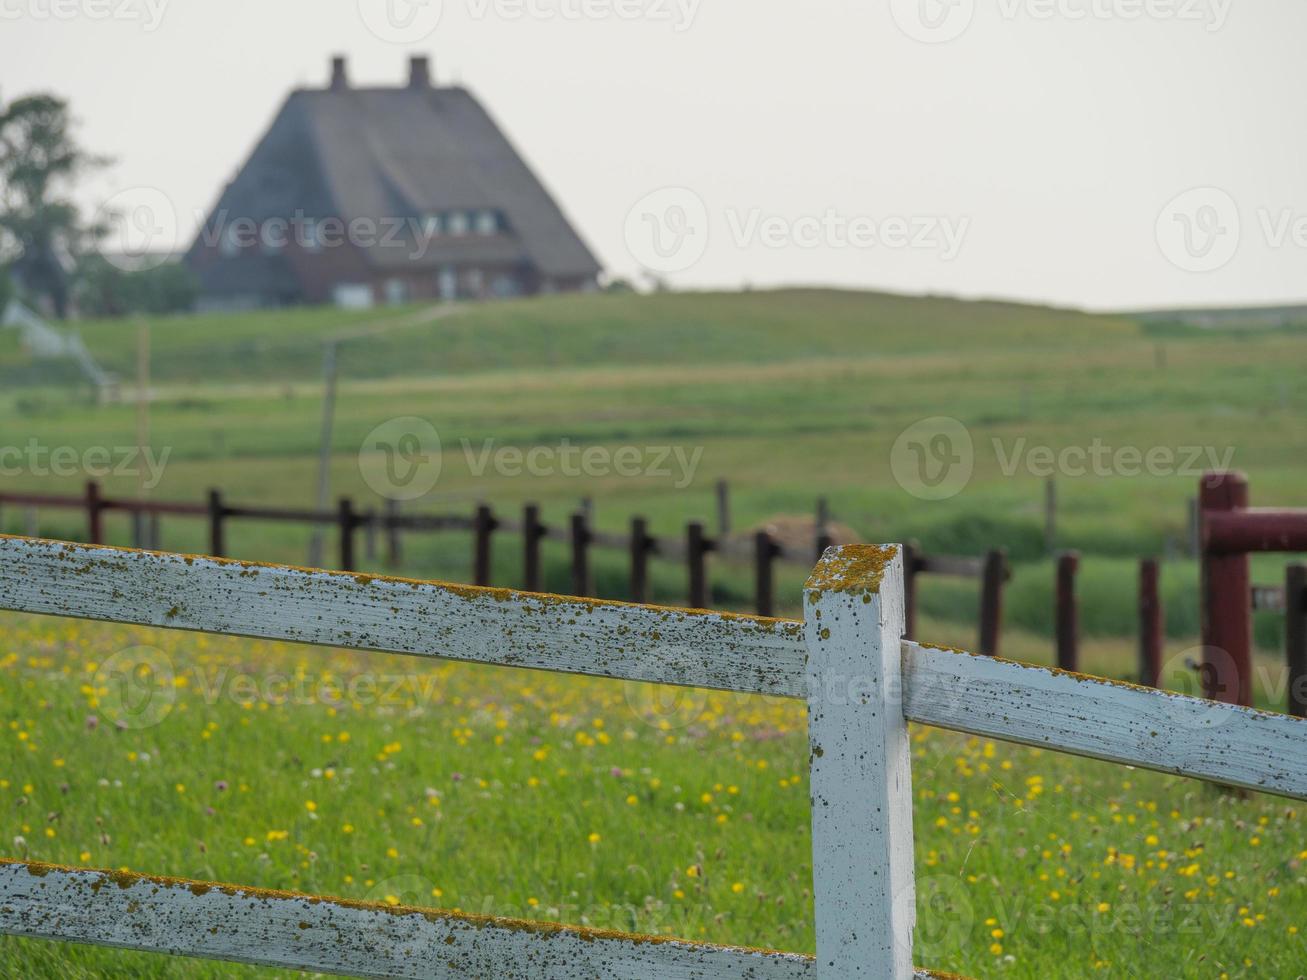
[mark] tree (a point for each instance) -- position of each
(39, 227)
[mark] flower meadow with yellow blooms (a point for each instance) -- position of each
(653, 810)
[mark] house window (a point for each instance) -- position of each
(487, 222)
(458, 223)
(396, 292)
(475, 282)
(448, 283)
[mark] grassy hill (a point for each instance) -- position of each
(788, 394)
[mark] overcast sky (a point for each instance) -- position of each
(1099, 153)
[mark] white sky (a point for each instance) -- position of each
(1047, 138)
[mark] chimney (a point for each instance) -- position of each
(339, 80)
(419, 72)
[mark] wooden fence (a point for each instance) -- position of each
(861, 680)
(693, 550)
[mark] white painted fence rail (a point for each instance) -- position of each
(863, 684)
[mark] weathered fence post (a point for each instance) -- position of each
(483, 526)
(1227, 602)
(642, 545)
(697, 546)
(910, 590)
(1295, 635)
(217, 539)
(1067, 615)
(991, 601)
(346, 521)
(1150, 623)
(861, 780)
(394, 553)
(582, 583)
(532, 532)
(765, 552)
(94, 513)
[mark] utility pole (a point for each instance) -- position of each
(329, 373)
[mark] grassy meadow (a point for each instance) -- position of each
(618, 805)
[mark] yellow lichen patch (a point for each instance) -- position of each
(852, 568)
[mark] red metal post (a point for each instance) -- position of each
(765, 551)
(697, 547)
(1227, 597)
(532, 532)
(94, 513)
(582, 584)
(217, 540)
(347, 522)
(991, 601)
(1150, 623)
(1295, 635)
(1067, 613)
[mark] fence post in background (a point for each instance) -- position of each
(823, 539)
(94, 513)
(1295, 635)
(697, 547)
(861, 775)
(910, 590)
(155, 539)
(1067, 614)
(483, 526)
(582, 583)
(723, 508)
(140, 530)
(991, 601)
(394, 553)
(532, 532)
(641, 546)
(1193, 525)
(217, 539)
(32, 522)
(1150, 623)
(346, 521)
(765, 551)
(1227, 600)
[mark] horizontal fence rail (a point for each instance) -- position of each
(306, 932)
(946, 688)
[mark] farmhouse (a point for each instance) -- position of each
(359, 196)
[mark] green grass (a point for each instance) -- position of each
(523, 794)
(789, 395)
